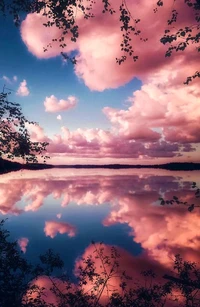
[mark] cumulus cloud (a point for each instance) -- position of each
(59, 117)
(160, 109)
(37, 133)
(127, 263)
(36, 202)
(52, 228)
(97, 143)
(99, 42)
(145, 220)
(23, 89)
(53, 104)
(47, 295)
(23, 242)
(159, 123)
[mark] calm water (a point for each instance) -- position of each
(66, 209)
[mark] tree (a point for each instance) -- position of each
(20, 286)
(14, 137)
(62, 14)
(180, 39)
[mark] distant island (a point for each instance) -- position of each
(9, 166)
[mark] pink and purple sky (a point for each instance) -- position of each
(97, 111)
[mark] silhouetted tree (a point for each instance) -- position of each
(14, 137)
(180, 39)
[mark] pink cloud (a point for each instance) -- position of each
(158, 104)
(78, 145)
(46, 284)
(183, 135)
(36, 202)
(37, 133)
(62, 187)
(99, 44)
(8, 200)
(52, 104)
(89, 190)
(98, 143)
(52, 228)
(158, 123)
(23, 242)
(145, 217)
(37, 37)
(129, 264)
(23, 89)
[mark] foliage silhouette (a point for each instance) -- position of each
(14, 137)
(184, 37)
(20, 287)
(176, 200)
(63, 14)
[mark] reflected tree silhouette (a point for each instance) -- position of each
(23, 284)
(176, 200)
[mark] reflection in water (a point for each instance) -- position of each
(81, 189)
(67, 203)
(101, 275)
(52, 228)
(23, 242)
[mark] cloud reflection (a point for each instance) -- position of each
(52, 228)
(23, 242)
(133, 199)
(95, 188)
(131, 265)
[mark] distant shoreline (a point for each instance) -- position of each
(9, 166)
(182, 166)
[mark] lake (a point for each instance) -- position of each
(65, 209)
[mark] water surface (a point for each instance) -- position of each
(65, 209)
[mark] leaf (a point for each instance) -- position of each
(191, 208)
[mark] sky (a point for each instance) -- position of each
(98, 112)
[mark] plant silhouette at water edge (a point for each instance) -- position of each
(100, 281)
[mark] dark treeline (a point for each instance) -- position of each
(182, 166)
(8, 166)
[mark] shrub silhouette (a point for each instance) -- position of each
(15, 139)
(23, 284)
